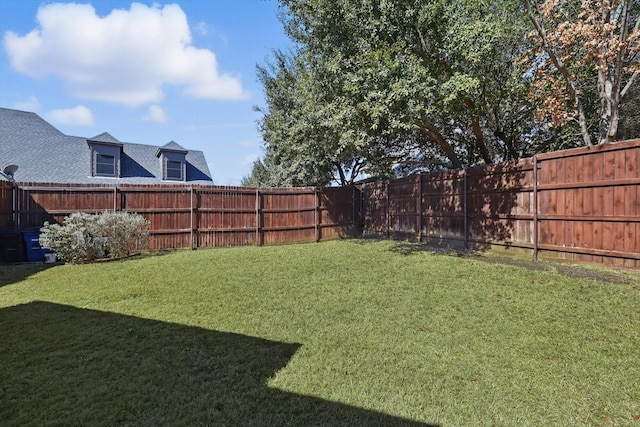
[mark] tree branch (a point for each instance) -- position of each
(624, 91)
(434, 134)
(562, 68)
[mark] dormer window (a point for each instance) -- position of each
(105, 156)
(105, 165)
(174, 170)
(173, 161)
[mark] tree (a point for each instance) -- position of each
(313, 136)
(444, 69)
(586, 50)
(303, 147)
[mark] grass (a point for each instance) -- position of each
(338, 333)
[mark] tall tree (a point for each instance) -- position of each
(310, 135)
(444, 69)
(585, 50)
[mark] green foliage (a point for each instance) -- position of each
(78, 240)
(374, 84)
(123, 232)
(85, 238)
(378, 86)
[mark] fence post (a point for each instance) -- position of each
(14, 196)
(465, 209)
(194, 244)
(535, 208)
(259, 220)
(316, 213)
(353, 211)
(419, 208)
(388, 211)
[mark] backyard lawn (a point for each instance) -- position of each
(340, 333)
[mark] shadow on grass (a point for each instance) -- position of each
(575, 271)
(13, 273)
(61, 365)
(410, 248)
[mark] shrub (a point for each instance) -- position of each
(124, 232)
(78, 240)
(85, 238)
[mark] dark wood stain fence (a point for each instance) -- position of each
(6, 204)
(581, 205)
(200, 216)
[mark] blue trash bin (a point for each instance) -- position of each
(33, 250)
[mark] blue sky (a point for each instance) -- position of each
(146, 72)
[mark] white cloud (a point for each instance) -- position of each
(77, 116)
(30, 104)
(125, 57)
(156, 114)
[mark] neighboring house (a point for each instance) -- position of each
(44, 154)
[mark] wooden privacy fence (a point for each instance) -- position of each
(199, 216)
(581, 204)
(6, 204)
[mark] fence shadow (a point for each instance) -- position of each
(68, 366)
(10, 274)
(499, 208)
(453, 210)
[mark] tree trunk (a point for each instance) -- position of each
(477, 132)
(432, 133)
(610, 76)
(609, 88)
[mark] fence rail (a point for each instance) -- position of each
(198, 216)
(581, 204)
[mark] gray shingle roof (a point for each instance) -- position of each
(44, 154)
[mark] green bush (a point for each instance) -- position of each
(85, 238)
(124, 232)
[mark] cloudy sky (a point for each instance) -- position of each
(146, 72)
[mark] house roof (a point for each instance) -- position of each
(171, 147)
(104, 137)
(44, 154)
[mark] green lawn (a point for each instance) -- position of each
(338, 333)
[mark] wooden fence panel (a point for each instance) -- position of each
(37, 203)
(589, 204)
(226, 217)
(168, 210)
(201, 216)
(337, 213)
(289, 216)
(374, 209)
(499, 205)
(442, 205)
(6, 204)
(581, 204)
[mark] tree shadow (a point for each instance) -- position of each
(61, 365)
(338, 213)
(454, 210)
(407, 248)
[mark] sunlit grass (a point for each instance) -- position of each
(354, 325)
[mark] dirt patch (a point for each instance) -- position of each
(577, 271)
(602, 274)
